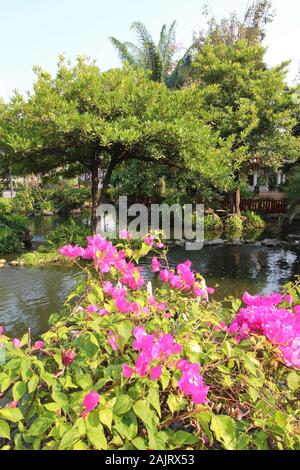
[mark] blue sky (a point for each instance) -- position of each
(37, 31)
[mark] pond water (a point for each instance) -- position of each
(29, 295)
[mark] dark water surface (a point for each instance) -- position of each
(29, 295)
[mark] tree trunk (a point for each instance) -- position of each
(11, 184)
(238, 202)
(235, 195)
(94, 193)
(235, 200)
(106, 181)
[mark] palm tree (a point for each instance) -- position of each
(158, 59)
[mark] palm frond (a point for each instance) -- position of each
(178, 76)
(166, 47)
(123, 51)
(142, 33)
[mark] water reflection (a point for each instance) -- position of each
(29, 295)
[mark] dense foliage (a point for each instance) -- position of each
(124, 367)
(13, 232)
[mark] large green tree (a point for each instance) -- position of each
(85, 120)
(248, 103)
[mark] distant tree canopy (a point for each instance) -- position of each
(86, 120)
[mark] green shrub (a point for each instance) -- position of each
(253, 220)
(245, 191)
(13, 231)
(212, 223)
(9, 241)
(6, 206)
(72, 232)
(23, 202)
(37, 258)
(15, 221)
(68, 198)
(47, 206)
(233, 223)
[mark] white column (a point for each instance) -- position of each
(267, 181)
(278, 178)
(255, 177)
(283, 178)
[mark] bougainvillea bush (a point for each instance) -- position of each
(126, 365)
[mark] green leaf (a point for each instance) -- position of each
(61, 399)
(139, 443)
(157, 440)
(13, 363)
(19, 389)
(41, 425)
(33, 383)
(95, 431)
(69, 439)
(165, 378)
(175, 402)
(122, 405)
(85, 381)
(11, 414)
(181, 438)
(153, 399)
(204, 418)
(124, 329)
(142, 410)
(224, 429)
(80, 445)
(5, 383)
(106, 416)
(293, 381)
(4, 429)
(127, 426)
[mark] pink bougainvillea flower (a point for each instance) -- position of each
(167, 315)
(13, 404)
(210, 290)
(280, 326)
(127, 371)
(38, 345)
(112, 340)
(1, 330)
(155, 372)
(198, 291)
(221, 327)
(182, 364)
(107, 287)
(102, 312)
(92, 309)
(68, 356)
(164, 275)
(289, 299)
(272, 299)
(90, 402)
(160, 245)
(297, 310)
(155, 264)
(125, 235)
(149, 240)
(191, 384)
(139, 333)
(16, 343)
(71, 251)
